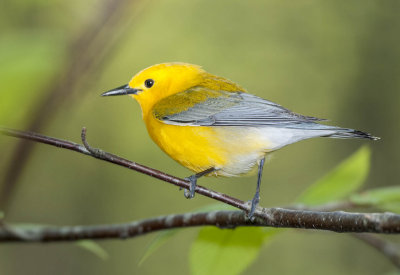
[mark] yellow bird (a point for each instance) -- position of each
(212, 126)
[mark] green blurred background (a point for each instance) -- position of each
(331, 59)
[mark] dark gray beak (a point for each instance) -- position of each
(123, 90)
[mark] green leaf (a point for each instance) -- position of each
(391, 207)
(94, 248)
(339, 183)
(157, 242)
(165, 235)
(270, 233)
(387, 198)
(225, 251)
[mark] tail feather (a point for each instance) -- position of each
(351, 133)
(312, 129)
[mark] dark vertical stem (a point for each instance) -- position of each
(83, 58)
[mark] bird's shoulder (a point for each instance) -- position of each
(216, 92)
(218, 83)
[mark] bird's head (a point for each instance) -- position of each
(159, 81)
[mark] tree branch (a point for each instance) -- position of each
(390, 250)
(123, 162)
(15, 233)
(223, 219)
(337, 221)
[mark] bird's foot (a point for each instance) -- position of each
(189, 194)
(254, 204)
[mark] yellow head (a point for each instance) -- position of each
(159, 81)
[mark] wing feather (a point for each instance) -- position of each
(201, 106)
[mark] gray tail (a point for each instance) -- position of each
(350, 133)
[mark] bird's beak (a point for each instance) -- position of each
(123, 90)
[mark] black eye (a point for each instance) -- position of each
(149, 83)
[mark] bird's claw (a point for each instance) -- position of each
(189, 194)
(254, 204)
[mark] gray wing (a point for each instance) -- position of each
(231, 109)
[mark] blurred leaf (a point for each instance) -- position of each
(387, 198)
(1, 215)
(391, 207)
(161, 238)
(270, 232)
(339, 183)
(225, 251)
(94, 248)
(377, 196)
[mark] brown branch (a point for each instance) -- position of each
(338, 221)
(85, 53)
(122, 162)
(298, 217)
(331, 206)
(121, 231)
(222, 219)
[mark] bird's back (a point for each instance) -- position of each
(215, 123)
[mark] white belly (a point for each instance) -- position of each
(246, 146)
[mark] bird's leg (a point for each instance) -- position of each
(193, 181)
(256, 198)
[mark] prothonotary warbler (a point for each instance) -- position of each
(212, 126)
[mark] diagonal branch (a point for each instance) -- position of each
(122, 162)
(390, 250)
(337, 221)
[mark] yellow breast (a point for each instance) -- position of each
(190, 146)
(232, 150)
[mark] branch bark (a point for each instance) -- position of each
(337, 221)
(278, 217)
(223, 219)
(99, 154)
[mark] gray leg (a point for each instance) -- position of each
(256, 198)
(193, 181)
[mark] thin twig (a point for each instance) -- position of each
(390, 250)
(125, 163)
(338, 221)
(95, 152)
